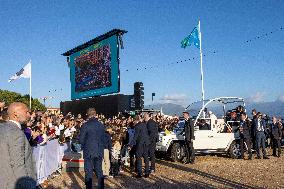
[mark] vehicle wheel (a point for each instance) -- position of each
(177, 152)
(235, 150)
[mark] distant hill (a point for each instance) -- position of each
(168, 108)
(269, 108)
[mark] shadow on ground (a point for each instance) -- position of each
(157, 181)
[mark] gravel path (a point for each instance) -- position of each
(207, 172)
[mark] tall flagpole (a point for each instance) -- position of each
(201, 66)
(31, 86)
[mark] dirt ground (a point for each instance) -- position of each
(208, 172)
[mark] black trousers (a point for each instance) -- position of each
(90, 164)
(242, 146)
(133, 164)
(115, 165)
(276, 144)
(152, 149)
(190, 154)
(142, 151)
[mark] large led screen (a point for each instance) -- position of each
(94, 70)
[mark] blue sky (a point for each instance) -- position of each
(43, 30)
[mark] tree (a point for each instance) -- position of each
(9, 97)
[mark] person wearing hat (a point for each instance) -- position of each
(189, 137)
(259, 133)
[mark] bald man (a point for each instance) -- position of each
(17, 168)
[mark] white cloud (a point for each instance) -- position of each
(258, 97)
(281, 98)
(180, 99)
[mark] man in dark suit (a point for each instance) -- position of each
(17, 167)
(259, 133)
(189, 137)
(92, 138)
(276, 134)
(254, 117)
(245, 136)
(142, 141)
(152, 128)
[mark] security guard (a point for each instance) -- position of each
(141, 140)
(275, 133)
(245, 135)
(92, 139)
(152, 128)
(189, 137)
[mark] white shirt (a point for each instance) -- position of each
(17, 123)
(259, 126)
(57, 131)
(67, 132)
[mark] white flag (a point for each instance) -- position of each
(25, 72)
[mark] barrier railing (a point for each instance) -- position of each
(48, 158)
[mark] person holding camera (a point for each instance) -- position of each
(189, 137)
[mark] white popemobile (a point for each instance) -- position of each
(212, 134)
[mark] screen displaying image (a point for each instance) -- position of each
(93, 69)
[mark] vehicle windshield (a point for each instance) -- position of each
(221, 113)
(219, 107)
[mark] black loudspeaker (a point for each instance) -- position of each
(139, 95)
(109, 105)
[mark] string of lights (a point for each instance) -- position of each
(264, 35)
(267, 34)
(171, 63)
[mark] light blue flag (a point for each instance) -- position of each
(192, 38)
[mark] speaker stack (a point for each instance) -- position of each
(139, 95)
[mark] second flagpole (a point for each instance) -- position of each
(201, 66)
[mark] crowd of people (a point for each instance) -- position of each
(120, 142)
(124, 141)
(257, 132)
